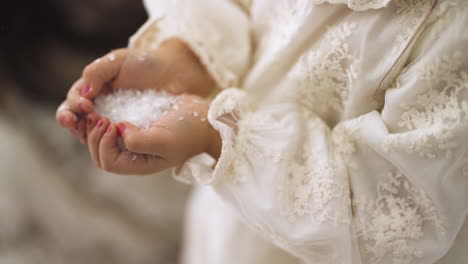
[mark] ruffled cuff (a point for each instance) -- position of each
(217, 31)
(225, 110)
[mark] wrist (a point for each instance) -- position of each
(196, 77)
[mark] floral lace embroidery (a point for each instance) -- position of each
(411, 15)
(437, 112)
(344, 140)
(323, 78)
(388, 224)
(358, 5)
(313, 186)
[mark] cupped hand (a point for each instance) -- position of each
(180, 134)
(172, 67)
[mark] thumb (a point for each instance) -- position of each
(102, 71)
(154, 140)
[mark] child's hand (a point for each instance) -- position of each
(69, 117)
(172, 67)
(177, 136)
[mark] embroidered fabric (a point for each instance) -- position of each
(390, 223)
(411, 15)
(437, 111)
(323, 75)
(358, 5)
(312, 183)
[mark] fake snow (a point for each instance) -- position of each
(139, 107)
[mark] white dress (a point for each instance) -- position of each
(344, 127)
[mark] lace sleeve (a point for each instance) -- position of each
(387, 187)
(217, 31)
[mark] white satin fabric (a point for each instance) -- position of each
(344, 127)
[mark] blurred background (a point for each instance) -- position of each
(55, 206)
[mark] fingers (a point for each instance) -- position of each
(94, 137)
(153, 141)
(81, 130)
(91, 121)
(74, 123)
(108, 149)
(114, 159)
(89, 124)
(75, 100)
(65, 117)
(102, 71)
(177, 135)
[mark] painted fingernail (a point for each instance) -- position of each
(99, 123)
(85, 89)
(109, 129)
(89, 120)
(121, 129)
(61, 121)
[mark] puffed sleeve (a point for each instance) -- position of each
(389, 186)
(218, 31)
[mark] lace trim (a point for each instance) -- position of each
(389, 224)
(437, 111)
(323, 78)
(226, 111)
(254, 124)
(357, 5)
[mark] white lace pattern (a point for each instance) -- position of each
(437, 111)
(323, 79)
(313, 187)
(411, 15)
(388, 224)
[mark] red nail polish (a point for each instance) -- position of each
(121, 129)
(109, 129)
(62, 122)
(85, 89)
(99, 123)
(89, 120)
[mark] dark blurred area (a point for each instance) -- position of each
(45, 44)
(55, 205)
